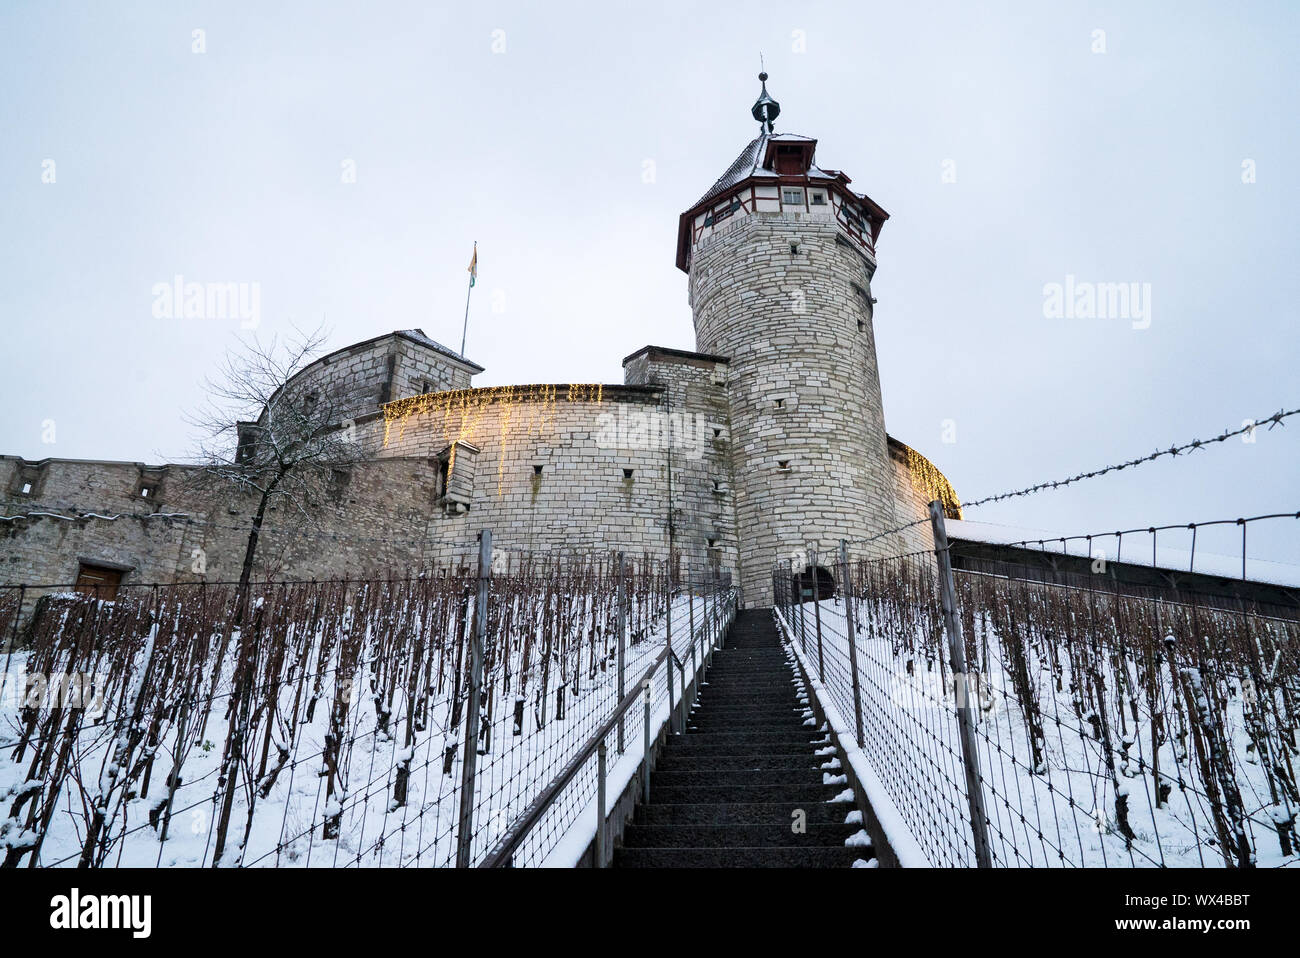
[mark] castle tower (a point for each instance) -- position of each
(780, 255)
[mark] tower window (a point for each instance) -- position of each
(818, 199)
(794, 249)
(783, 463)
(712, 543)
(780, 404)
(537, 470)
(717, 433)
(627, 473)
(791, 197)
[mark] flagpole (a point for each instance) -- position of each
(469, 289)
(465, 329)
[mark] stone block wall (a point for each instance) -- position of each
(553, 477)
(789, 305)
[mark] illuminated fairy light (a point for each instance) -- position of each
(932, 483)
(527, 408)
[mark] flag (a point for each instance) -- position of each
(473, 266)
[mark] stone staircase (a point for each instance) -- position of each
(727, 792)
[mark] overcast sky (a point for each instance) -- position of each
(567, 138)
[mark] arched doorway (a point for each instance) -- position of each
(809, 582)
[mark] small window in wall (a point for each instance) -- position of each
(717, 486)
(148, 490)
(537, 470)
(99, 581)
(791, 197)
(440, 482)
(717, 432)
(783, 463)
(627, 473)
(780, 404)
(27, 482)
(817, 199)
(712, 543)
(425, 386)
(338, 483)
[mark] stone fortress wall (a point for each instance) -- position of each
(768, 443)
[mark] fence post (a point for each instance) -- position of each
(853, 640)
(681, 675)
(690, 611)
(798, 600)
(671, 697)
(668, 628)
(961, 687)
(600, 804)
(464, 833)
(622, 641)
(645, 763)
(817, 610)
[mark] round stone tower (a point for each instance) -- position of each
(780, 255)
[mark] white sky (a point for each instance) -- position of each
(1117, 167)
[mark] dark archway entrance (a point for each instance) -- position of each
(818, 582)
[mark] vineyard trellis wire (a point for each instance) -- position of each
(1107, 728)
(332, 725)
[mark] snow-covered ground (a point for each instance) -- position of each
(283, 815)
(1055, 804)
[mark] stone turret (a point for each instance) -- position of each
(780, 255)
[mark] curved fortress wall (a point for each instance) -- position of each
(571, 468)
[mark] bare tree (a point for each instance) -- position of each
(288, 455)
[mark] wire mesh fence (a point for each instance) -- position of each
(328, 723)
(1107, 729)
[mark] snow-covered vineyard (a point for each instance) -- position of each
(1110, 730)
(329, 728)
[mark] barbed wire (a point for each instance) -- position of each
(1174, 450)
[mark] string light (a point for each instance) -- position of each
(461, 410)
(932, 483)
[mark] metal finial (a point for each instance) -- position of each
(765, 108)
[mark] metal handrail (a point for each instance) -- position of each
(514, 836)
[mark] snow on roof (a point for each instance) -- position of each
(750, 163)
(419, 336)
(745, 166)
(1166, 557)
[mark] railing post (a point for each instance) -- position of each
(600, 804)
(853, 640)
(668, 627)
(681, 675)
(690, 611)
(671, 696)
(817, 610)
(645, 763)
(961, 687)
(622, 640)
(464, 833)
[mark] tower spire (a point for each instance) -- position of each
(765, 108)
